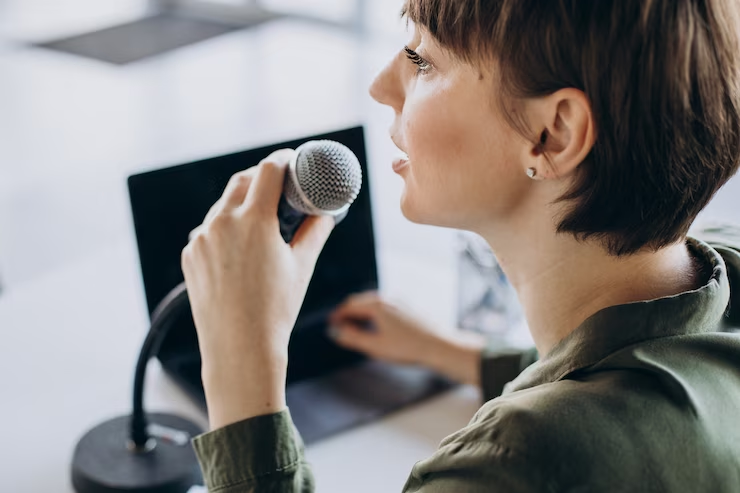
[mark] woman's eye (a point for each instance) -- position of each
(422, 65)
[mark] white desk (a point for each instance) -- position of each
(69, 346)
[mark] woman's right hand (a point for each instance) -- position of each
(367, 323)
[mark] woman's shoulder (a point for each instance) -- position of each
(693, 378)
(627, 418)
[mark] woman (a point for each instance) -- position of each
(580, 139)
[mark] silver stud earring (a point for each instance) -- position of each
(532, 173)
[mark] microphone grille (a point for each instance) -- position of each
(328, 174)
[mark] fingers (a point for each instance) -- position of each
(267, 187)
(268, 178)
(358, 306)
(235, 192)
(195, 232)
(354, 338)
(233, 196)
(215, 208)
(311, 237)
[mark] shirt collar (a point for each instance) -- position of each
(616, 327)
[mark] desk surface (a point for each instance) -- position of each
(70, 341)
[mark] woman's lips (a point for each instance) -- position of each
(400, 162)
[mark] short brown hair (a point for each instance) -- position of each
(662, 78)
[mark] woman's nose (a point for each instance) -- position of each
(387, 88)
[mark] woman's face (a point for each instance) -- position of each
(465, 163)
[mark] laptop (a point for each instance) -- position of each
(329, 389)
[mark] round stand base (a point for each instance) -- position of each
(104, 462)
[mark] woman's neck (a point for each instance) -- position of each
(561, 282)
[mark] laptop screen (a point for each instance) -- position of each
(169, 203)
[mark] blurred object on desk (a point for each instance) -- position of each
(486, 301)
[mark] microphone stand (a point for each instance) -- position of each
(128, 454)
(141, 453)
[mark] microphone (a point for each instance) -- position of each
(151, 453)
(323, 179)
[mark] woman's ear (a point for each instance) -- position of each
(566, 132)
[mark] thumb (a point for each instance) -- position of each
(311, 237)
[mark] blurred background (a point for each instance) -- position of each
(92, 91)
(162, 82)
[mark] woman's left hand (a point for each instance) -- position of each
(246, 287)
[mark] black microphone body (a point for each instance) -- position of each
(151, 453)
(290, 219)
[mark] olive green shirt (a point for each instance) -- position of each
(640, 397)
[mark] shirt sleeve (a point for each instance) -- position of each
(260, 454)
(500, 366)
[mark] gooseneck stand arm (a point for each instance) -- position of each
(141, 453)
(162, 318)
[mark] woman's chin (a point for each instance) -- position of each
(415, 212)
(431, 214)
(408, 208)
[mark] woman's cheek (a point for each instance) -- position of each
(430, 189)
(420, 192)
